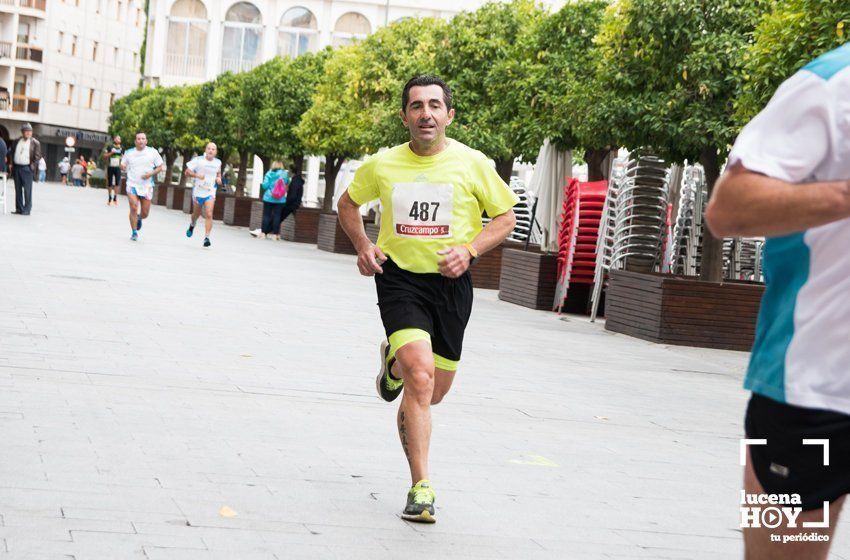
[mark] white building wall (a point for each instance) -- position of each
(74, 88)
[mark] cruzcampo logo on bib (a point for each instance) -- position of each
(422, 210)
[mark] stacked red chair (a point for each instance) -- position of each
(579, 230)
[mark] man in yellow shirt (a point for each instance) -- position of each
(433, 191)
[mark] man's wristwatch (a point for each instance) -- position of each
(472, 252)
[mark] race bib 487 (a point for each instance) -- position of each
(422, 210)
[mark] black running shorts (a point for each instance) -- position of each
(113, 176)
(785, 465)
(431, 302)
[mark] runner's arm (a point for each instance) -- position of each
(745, 203)
(456, 260)
(153, 173)
(351, 222)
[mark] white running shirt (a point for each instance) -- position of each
(138, 163)
(801, 354)
(209, 169)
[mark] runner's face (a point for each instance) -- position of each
(426, 116)
(211, 151)
(141, 141)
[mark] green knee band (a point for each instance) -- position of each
(445, 363)
(406, 336)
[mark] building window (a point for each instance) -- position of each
(73, 45)
(115, 58)
(56, 92)
(111, 100)
(350, 27)
(70, 93)
(61, 41)
(94, 51)
(243, 33)
(185, 51)
(298, 33)
(91, 98)
(135, 60)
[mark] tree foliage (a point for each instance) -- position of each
(488, 58)
(786, 39)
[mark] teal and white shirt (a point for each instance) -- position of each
(801, 355)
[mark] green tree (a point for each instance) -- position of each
(336, 125)
(487, 56)
(287, 87)
(786, 39)
(674, 67)
(240, 105)
(126, 115)
(156, 120)
(184, 107)
(210, 121)
(568, 105)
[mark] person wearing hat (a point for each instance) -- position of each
(26, 152)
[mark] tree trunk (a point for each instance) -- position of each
(186, 155)
(332, 166)
(711, 265)
(267, 162)
(170, 157)
(596, 168)
(298, 164)
(504, 167)
(243, 171)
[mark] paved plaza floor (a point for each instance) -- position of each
(164, 401)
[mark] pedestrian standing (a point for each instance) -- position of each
(42, 170)
(64, 169)
(274, 187)
(85, 165)
(25, 155)
(77, 174)
(294, 193)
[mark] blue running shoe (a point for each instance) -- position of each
(191, 230)
(135, 236)
(207, 242)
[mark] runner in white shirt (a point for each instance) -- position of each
(141, 165)
(788, 179)
(206, 170)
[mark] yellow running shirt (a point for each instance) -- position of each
(430, 202)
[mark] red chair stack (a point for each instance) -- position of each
(579, 230)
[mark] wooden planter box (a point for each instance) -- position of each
(487, 270)
(302, 226)
(372, 231)
(160, 195)
(175, 197)
(187, 202)
(237, 210)
(528, 278)
(218, 208)
(331, 236)
(256, 220)
(683, 311)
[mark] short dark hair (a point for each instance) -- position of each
(426, 80)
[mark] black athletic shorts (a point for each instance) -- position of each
(431, 302)
(785, 465)
(113, 176)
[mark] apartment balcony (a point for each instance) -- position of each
(30, 53)
(182, 65)
(36, 8)
(24, 104)
(5, 49)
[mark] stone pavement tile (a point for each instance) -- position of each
(158, 553)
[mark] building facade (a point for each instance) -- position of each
(62, 65)
(192, 41)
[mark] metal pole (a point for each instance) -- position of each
(387, 14)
